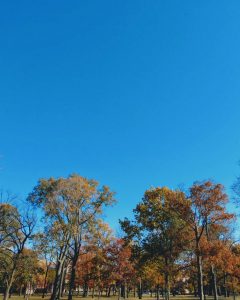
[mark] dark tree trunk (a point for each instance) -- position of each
(20, 290)
(225, 285)
(200, 273)
(85, 288)
(45, 282)
(109, 291)
(63, 277)
(140, 289)
(167, 286)
(157, 292)
(57, 282)
(119, 291)
(72, 278)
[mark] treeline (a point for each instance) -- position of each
(178, 242)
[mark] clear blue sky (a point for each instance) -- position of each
(132, 93)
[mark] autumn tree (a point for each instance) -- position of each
(15, 229)
(99, 239)
(163, 234)
(204, 207)
(28, 272)
(92, 265)
(122, 267)
(46, 252)
(104, 262)
(70, 204)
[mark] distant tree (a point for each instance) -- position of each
(98, 241)
(16, 229)
(122, 268)
(46, 250)
(28, 272)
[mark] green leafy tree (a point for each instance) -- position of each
(163, 234)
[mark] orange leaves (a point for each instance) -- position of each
(106, 265)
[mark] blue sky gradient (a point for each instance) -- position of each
(132, 93)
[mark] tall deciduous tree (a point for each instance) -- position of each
(204, 207)
(70, 204)
(164, 235)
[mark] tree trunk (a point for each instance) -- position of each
(225, 285)
(20, 291)
(62, 283)
(234, 295)
(214, 281)
(109, 291)
(157, 292)
(167, 286)
(122, 290)
(93, 290)
(57, 281)
(45, 282)
(194, 288)
(119, 292)
(73, 275)
(140, 289)
(9, 283)
(200, 277)
(85, 288)
(219, 291)
(99, 293)
(125, 289)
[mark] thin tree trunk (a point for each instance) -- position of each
(119, 292)
(20, 290)
(109, 291)
(167, 286)
(200, 277)
(45, 282)
(140, 289)
(194, 288)
(125, 289)
(85, 288)
(225, 285)
(214, 280)
(157, 292)
(93, 290)
(99, 293)
(73, 275)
